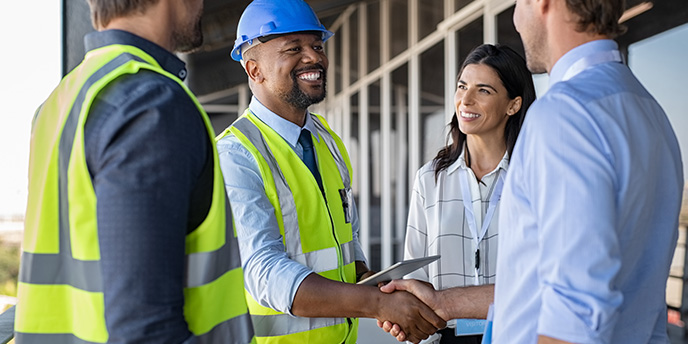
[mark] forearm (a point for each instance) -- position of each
(465, 302)
(320, 297)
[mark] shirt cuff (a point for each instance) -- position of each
(573, 319)
(298, 279)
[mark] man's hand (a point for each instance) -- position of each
(417, 320)
(422, 290)
(459, 302)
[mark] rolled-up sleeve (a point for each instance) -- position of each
(271, 278)
(574, 201)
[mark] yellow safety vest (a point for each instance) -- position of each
(316, 230)
(60, 292)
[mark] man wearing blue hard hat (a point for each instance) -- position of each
(288, 177)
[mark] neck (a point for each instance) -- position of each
(486, 153)
(563, 35)
(153, 25)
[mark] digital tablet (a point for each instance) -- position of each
(398, 270)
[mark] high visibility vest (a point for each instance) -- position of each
(60, 291)
(315, 226)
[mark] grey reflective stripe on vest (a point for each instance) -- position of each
(231, 331)
(284, 324)
(62, 268)
(292, 237)
(52, 338)
(205, 267)
(326, 259)
(334, 149)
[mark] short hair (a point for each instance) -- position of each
(104, 11)
(599, 16)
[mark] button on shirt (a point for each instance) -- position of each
(437, 225)
(270, 276)
(590, 208)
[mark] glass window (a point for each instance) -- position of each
(373, 35)
(353, 47)
(354, 145)
(432, 101)
(400, 184)
(459, 4)
(336, 42)
(400, 26)
(467, 38)
(431, 13)
(375, 173)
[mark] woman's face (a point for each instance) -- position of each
(482, 103)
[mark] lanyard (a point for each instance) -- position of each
(591, 60)
(470, 216)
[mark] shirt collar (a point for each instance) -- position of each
(167, 60)
(461, 163)
(289, 131)
(574, 55)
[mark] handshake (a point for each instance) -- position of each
(415, 310)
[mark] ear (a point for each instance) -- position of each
(514, 106)
(253, 71)
(543, 6)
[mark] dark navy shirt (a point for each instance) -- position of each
(150, 158)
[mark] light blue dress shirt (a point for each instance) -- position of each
(589, 217)
(270, 276)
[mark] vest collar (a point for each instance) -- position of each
(167, 60)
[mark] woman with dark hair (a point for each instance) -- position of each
(454, 205)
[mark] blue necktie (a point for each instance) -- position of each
(309, 155)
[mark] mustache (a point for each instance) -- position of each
(316, 66)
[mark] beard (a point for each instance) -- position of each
(189, 38)
(535, 48)
(299, 99)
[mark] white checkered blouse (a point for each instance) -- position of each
(436, 225)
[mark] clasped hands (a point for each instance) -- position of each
(416, 312)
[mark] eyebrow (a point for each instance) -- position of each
(481, 85)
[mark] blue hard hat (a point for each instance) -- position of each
(273, 17)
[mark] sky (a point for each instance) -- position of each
(30, 55)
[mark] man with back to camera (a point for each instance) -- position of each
(590, 206)
(289, 179)
(128, 235)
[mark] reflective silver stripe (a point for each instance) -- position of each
(205, 267)
(286, 198)
(52, 338)
(233, 331)
(334, 149)
(284, 324)
(62, 268)
(348, 252)
(319, 261)
(326, 259)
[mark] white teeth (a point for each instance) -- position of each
(311, 76)
(469, 115)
